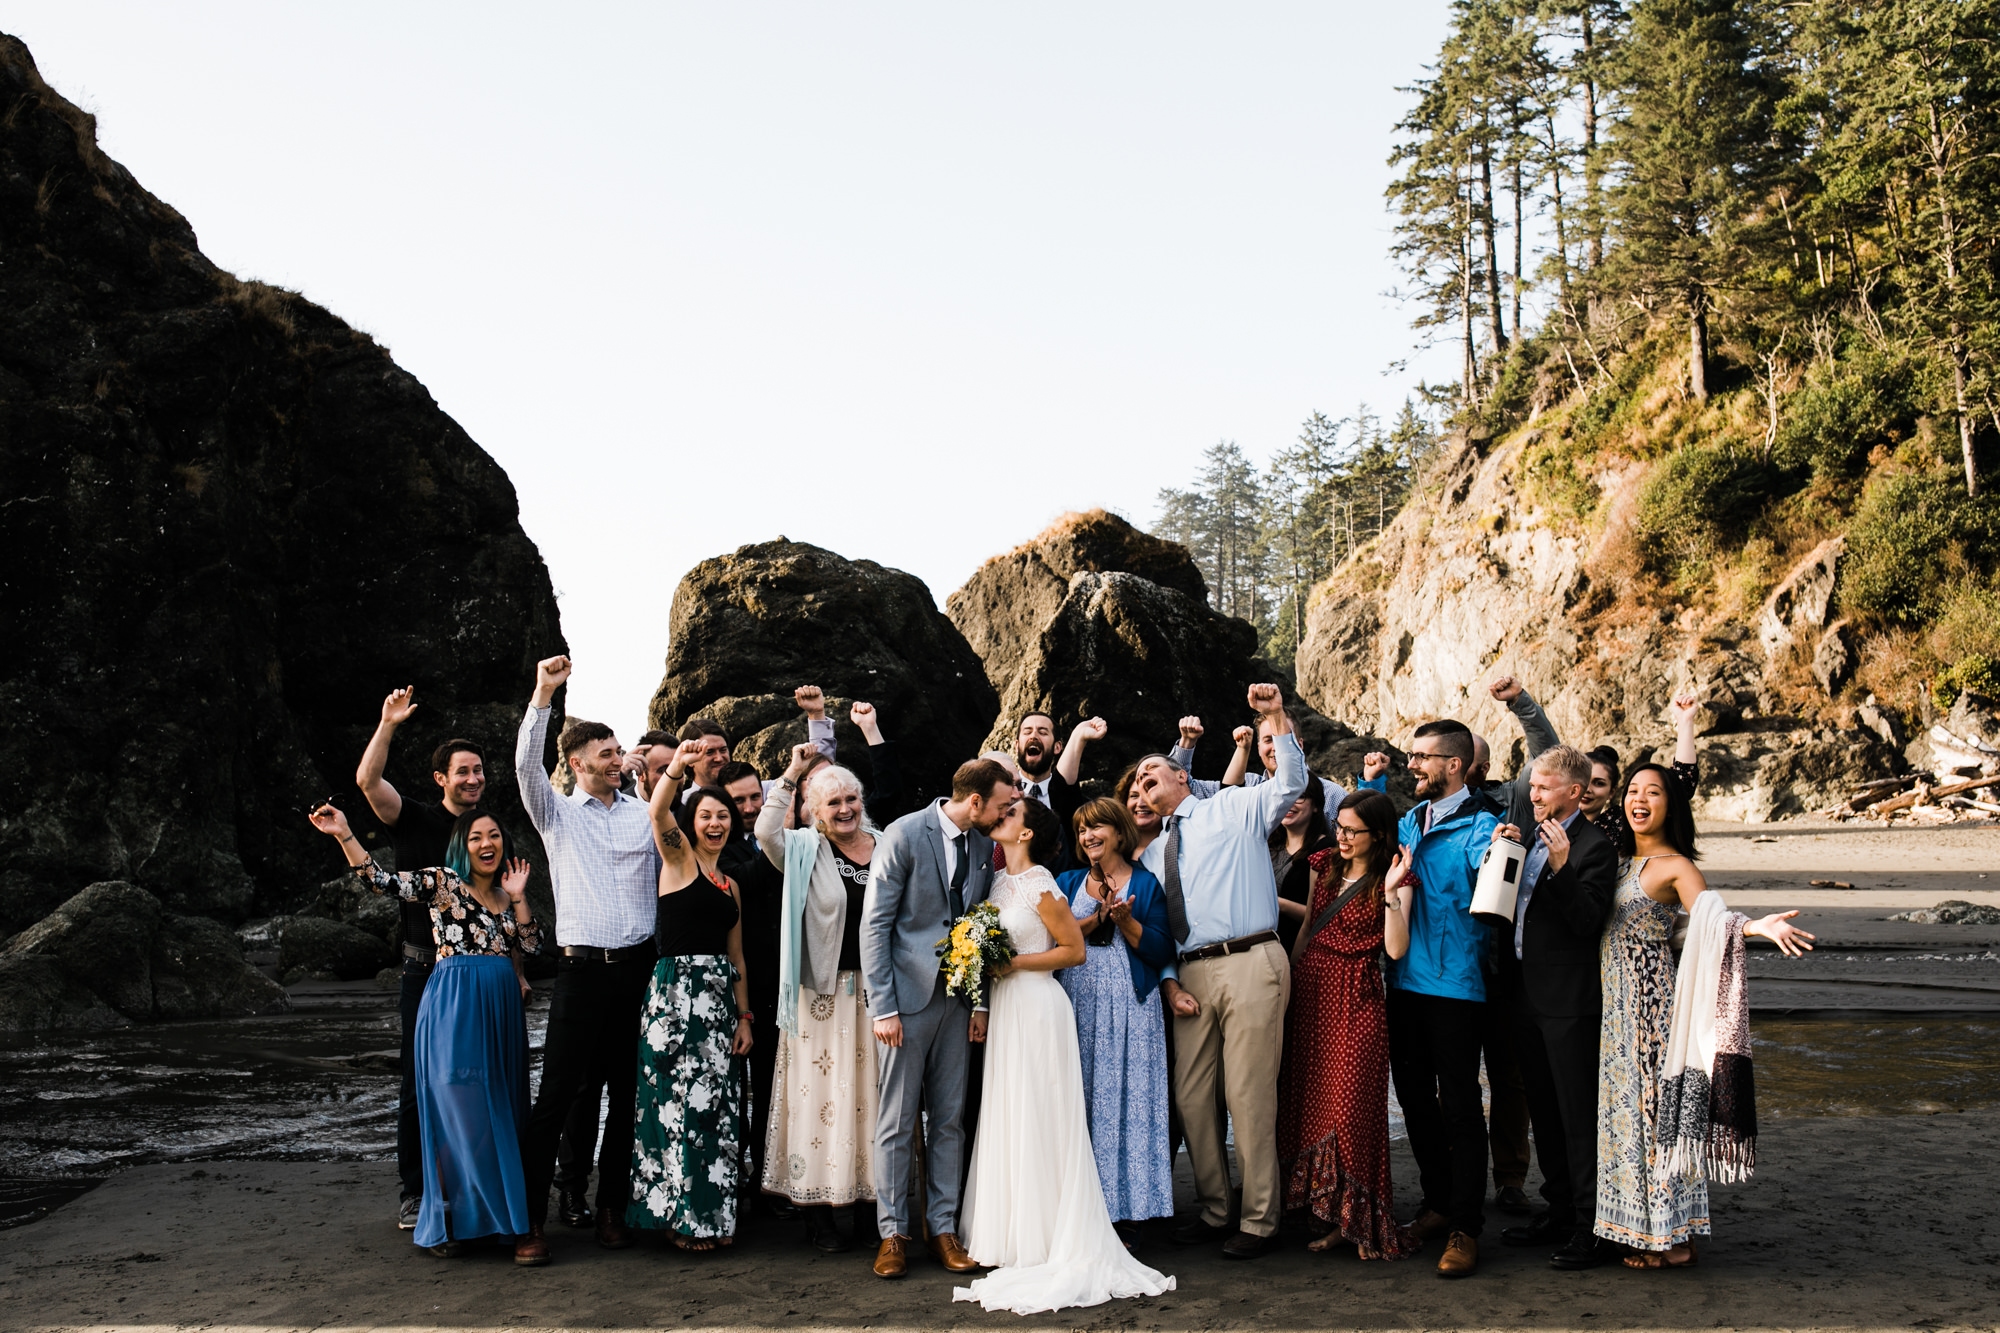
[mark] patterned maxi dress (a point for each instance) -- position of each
(1638, 974)
(1333, 1087)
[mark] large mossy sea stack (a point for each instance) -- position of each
(750, 627)
(232, 524)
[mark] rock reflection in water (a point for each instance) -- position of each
(1875, 1066)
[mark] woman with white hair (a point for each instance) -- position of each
(823, 1089)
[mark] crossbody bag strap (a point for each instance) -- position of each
(1325, 918)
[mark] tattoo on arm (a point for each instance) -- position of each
(670, 835)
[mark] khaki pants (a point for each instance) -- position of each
(1226, 1057)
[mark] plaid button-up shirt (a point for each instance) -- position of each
(601, 857)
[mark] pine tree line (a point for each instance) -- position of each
(1262, 540)
(1778, 178)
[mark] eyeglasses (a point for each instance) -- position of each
(1342, 831)
(1419, 756)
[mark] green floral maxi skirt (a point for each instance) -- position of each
(688, 1114)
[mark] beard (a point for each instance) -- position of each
(1033, 759)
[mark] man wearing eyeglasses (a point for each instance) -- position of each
(1437, 994)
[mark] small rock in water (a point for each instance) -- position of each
(1952, 912)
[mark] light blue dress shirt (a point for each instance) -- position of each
(1225, 858)
(1531, 870)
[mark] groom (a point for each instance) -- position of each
(929, 867)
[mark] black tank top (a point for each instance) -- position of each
(694, 921)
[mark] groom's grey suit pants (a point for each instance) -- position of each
(930, 1069)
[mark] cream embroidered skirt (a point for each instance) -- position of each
(823, 1100)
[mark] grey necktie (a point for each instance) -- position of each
(1176, 902)
(958, 873)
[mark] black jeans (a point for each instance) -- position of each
(579, 1136)
(593, 1028)
(1434, 1058)
(409, 1132)
(1559, 1066)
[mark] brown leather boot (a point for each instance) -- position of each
(951, 1254)
(611, 1232)
(1461, 1256)
(532, 1250)
(892, 1259)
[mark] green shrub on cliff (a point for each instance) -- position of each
(1909, 534)
(1846, 408)
(1697, 501)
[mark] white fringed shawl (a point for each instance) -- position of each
(1706, 1116)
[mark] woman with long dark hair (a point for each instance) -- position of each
(1300, 834)
(1652, 1179)
(689, 1109)
(471, 1046)
(1120, 1033)
(1333, 1085)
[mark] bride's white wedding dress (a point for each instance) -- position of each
(1033, 1206)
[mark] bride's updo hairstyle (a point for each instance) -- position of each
(1045, 847)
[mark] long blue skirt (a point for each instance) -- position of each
(472, 1101)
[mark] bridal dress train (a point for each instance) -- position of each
(1034, 1209)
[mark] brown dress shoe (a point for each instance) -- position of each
(890, 1260)
(1429, 1225)
(1461, 1256)
(611, 1232)
(952, 1255)
(531, 1250)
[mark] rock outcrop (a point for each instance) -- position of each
(750, 627)
(1066, 628)
(114, 955)
(1471, 581)
(233, 523)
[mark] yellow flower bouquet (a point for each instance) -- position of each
(977, 941)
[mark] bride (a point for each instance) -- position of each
(1034, 1209)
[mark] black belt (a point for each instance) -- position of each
(428, 957)
(592, 954)
(1227, 947)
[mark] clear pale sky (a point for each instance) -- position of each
(903, 280)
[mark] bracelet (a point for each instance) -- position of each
(746, 1017)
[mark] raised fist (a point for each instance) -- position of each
(803, 755)
(863, 716)
(1091, 729)
(1266, 699)
(1245, 737)
(812, 699)
(1684, 708)
(1374, 764)
(1506, 689)
(685, 755)
(1191, 731)
(549, 675)
(396, 709)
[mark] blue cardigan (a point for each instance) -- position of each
(1149, 908)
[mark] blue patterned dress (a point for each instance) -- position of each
(1123, 1046)
(1637, 968)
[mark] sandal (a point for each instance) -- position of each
(1660, 1258)
(693, 1244)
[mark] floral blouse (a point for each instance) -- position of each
(460, 924)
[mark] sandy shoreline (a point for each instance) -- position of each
(1851, 1223)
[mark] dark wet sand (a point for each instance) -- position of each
(1851, 1223)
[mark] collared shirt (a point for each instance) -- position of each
(1531, 870)
(1225, 855)
(1331, 792)
(602, 859)
(1035, 787)
(951, 833)
(1441, 808)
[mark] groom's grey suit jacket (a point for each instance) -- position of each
(907, 910)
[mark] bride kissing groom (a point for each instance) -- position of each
(1034, 1207)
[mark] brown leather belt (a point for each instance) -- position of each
(428, 957)
(1227, 947)
(592, 954)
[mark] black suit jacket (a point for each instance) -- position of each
(1565, 922)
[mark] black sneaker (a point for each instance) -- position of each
(406, 1212)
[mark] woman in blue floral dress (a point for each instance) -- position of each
(688, 1121)
(1121, 1031)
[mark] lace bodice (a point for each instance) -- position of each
(1017, 897)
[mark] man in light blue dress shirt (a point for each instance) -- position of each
(1213, 861)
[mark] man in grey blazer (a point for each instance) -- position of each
(929, 867)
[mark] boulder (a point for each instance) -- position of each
(1798, 607)
(112, 955)
(1967, 739)
(1834, 657)
(346, 900)
(750, 627)
(233, 523)
(313, 948)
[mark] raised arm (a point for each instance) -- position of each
(1686, 766)
(771, 819)
(1535, 728)
(538, 797)
(415, 885)
(819, 727)
(677, 855)
(883, 797)
(1289, 783)
(383, 799)
(1070, 762)
(1239, 762)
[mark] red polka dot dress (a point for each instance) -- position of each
(1333, 1088)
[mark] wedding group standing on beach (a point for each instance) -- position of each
(996, 1018)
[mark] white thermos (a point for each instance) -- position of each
(1499, 881)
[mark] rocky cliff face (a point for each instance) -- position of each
(1095, 618)
(1471, 581)
(232, 523)
(750, 627)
